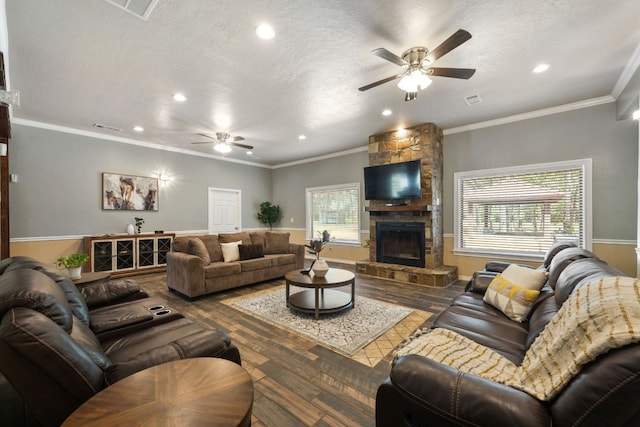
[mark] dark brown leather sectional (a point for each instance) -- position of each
(59, 345)
(421, 392)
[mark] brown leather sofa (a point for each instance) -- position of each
(422, 392)
(57, 352)
(194, 273)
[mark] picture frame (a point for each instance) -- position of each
(129, 192)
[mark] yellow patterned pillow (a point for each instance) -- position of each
(513, 300)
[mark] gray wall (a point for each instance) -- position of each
(585, 133)
(60, 185)
(59, 188)
(289, 184)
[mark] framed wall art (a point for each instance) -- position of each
(129, 193)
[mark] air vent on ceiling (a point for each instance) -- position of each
(472, 99)
(106, 127)
(139, 8)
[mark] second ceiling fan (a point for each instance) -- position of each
(417, 61)
(224, 141)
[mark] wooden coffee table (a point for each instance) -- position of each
(188, 392)
(321, 299)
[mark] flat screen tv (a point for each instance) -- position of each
(395, 181)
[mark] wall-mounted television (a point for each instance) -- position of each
(395, 181)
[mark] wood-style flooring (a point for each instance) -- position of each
(297, 382)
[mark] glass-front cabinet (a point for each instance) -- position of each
(124, 254)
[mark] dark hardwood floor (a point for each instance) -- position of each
(297, 382)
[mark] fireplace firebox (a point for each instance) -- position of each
(400, 243)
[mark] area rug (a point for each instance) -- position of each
(352, 333)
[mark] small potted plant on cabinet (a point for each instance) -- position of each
(73, 263)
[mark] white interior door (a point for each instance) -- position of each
(224, 210)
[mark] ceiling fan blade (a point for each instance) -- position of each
(247, 147)
(207, 136)
(378, 83)
(456, 73)
(448, 45)
(389, 56)
(235, 138)
(203, 142)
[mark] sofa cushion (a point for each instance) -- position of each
(255, 264)
(258, 238)
(212, 243)
(525, 277)
(276, 243)
(513, 300)
(230, 251)
(282, 259)
(221, 269)
(234, 237)
(197, 248)
(251, 251)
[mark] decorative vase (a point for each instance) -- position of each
(320, 268)
(75, 272)
(130, 229)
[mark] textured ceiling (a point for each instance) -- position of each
(77, 63)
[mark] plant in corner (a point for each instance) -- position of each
(73, 263)
(269, 214)
(139, 222)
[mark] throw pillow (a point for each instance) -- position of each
(525, 277)
(230, 251)
(197, 247)
(513, 300)
(276, 243)
(251, 251)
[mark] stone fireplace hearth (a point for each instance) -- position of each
(404, 258)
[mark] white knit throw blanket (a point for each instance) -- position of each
(600, 316)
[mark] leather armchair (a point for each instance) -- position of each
(51, 355)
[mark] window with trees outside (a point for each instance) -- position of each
(521, 211)
(335, 209)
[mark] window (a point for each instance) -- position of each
(521, 211)
(335, 209)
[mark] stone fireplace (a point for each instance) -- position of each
(404, 258)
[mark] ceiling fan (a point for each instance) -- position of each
(223, 142)
(416, 63)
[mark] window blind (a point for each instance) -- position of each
(522, 210)
(335, 209)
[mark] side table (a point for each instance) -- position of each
(188, 392)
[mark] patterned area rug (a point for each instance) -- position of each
(366, 332)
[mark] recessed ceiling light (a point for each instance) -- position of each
(265, 31)
(249, 152)
(636, 115)
(302, 137)
(386, 112)
(541, 68)
(138, 128)
(179, 97)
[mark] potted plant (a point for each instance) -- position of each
(319, 266)
(73, 263)
(269, 213)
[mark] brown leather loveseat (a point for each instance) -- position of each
(604, 391)
(57, 351)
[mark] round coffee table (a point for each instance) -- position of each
(321, 299)
(188, 392)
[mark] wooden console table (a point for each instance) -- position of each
(124, 255)
(189, 392)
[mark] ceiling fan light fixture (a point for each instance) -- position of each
(410, 96)
(414, 80)
(222, 148)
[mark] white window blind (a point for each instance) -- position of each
(522, 210)
(335, 209)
